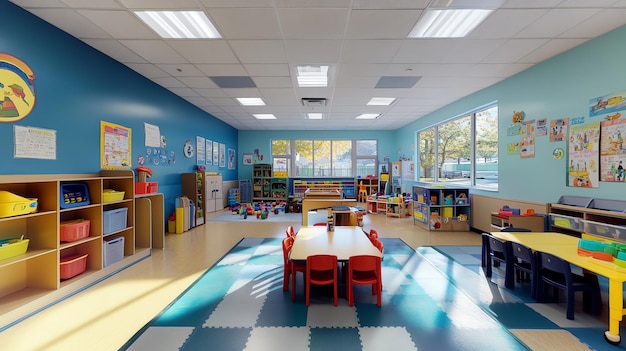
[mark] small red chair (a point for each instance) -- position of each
(290, 231)
(373, 234)
(290, 268)
(320, 224)
(321, 270)
(379, 245)
(364, 270)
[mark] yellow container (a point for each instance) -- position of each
(13, 205)
(110, 195)
(14, 248)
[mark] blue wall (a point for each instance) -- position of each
(557, 88)
(77, 87)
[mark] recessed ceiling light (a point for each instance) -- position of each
(251, 101)
(368, 116)
(315, 116)
(381, 101)
(448, 23)
(264, 116)
(312, 76)
(180, 24)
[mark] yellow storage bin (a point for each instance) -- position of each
(13, 248)
(110, 195)
(14, 205)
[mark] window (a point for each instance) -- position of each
(325, 158)
(451, 152)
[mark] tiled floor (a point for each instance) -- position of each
(430, 303)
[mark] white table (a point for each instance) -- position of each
(343, 242)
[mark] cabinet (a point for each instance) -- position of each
(535, 223)
(32, 281)
(369, 185)
(396, 177)
(397, 206)
(575, 215)
(213, 193)
(441, 208)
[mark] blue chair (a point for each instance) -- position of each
(524, 266)
(556, 272)
(498, 251)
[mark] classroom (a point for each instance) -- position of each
(90, 123)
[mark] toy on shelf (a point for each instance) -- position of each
(143, 186)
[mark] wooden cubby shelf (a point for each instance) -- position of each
(32, 280)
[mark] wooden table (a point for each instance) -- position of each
(565, 246)
(343, 242)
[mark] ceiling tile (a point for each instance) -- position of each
(204, 51)
(388, 24)
(514, 50)
(119, 24)
(245, 23)
(313, 23)
(155, 51)
(71, 22)
(555, 22)
(114, 49)
(259, 51)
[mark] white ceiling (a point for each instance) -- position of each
(362, 41)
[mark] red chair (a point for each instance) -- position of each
(321, 270)
(379, 245)
(364, 270)
(290, 268)
(373, 234)
(290, 231)
(320, 224)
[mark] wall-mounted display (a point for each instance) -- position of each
(584, 144)
(612, 150)
(18, 88)
(115, 146)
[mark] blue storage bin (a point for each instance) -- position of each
(74, 195)
(114, 220)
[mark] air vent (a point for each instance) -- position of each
(314, 102)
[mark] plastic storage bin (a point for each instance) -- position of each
(110, 195)
(72, 266)
(14, 205)
(146, 187)
(13, 247)
(114, 220)
(113, 250)
(75, 230)
(74, 195)
(566, 222)
(610, 231)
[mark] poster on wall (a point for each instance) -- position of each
(584, 153)
(613, 150)
(115, 146)
(31, 142)
(216, 153)
(527, 145)
(200, 155)
(231, 159)
(542, 127)
(558, 129)
(222, 155)
(247, 159)
(152, 135)
(608, 105)
(209, 152)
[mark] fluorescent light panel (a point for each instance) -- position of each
(251, 101)
(312, 76)
(381, 101)
(180, 24)
(368, 116)
(264, 116)
(315, 115)
(449, 23)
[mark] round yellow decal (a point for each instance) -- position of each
(17, 83)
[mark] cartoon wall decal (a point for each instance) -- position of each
(17, 83)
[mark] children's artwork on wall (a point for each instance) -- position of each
(558, 153)
(584, 153)
(209, 152)
(257, 157)
(115, 146)
(222, 155)
(231, 159)
(613, 150)
(200, 151)
(558, 129)
(516, 128)
(576, 120)
(512, 149)
(608, 106)
(247, 159)
(542, 127)
(527, 145)
(17, 81)
(157, 156)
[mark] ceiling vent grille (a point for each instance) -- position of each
(314, 102)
